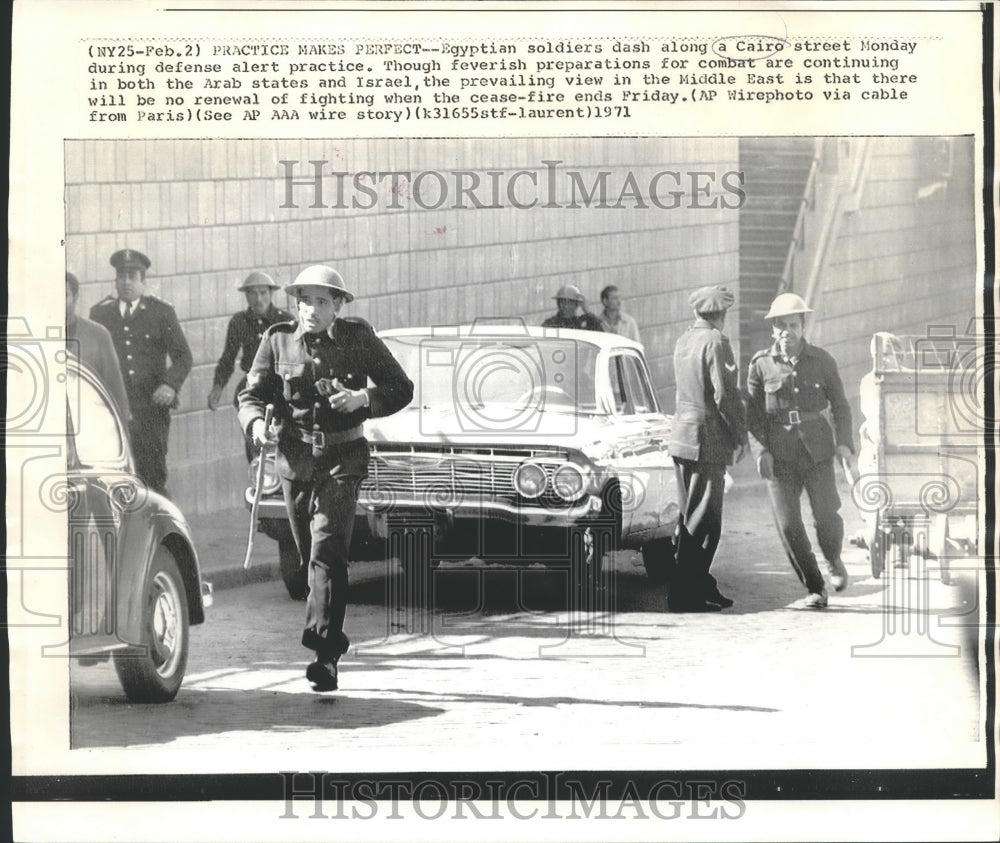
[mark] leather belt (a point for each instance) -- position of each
(794, 416)
(322, 439)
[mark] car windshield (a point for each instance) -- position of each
(519, 373)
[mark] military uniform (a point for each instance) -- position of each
(144, 341)
(323, 452)
(243, 336)
(580, 322)
(709, 424)
(787, 418)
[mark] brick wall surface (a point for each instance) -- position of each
(207, 212)
(901, 263)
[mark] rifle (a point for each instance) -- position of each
(258, 489)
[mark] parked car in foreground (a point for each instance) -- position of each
(135, 583)
(522, 446)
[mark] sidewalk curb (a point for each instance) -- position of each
(234, 577)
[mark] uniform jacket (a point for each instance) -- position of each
(285, 371)
(810, 386)
(709, 420)
(144, 344)
(243, 336)
(583, 322)
(91, 344)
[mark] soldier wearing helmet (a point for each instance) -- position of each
(569, 300)
(316, 372)
(794, 391)
(244, 333)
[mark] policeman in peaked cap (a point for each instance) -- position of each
(709, 426)
(154, 357)
(569, 299)
(793, 386)
(324, 375)
(244, 333)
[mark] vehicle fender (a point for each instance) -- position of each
(134, 561)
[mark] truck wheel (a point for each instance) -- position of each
(878, 547)
(153, 671)
(588, 547)
(293, 572)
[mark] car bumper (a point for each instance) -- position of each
(379, 516)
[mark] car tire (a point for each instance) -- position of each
(294, 574)
(658, 558)
(153, 671)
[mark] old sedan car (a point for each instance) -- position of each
(135, 583)
(522, 446)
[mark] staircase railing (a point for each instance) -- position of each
(846, 199)
(798, 232)
(829, 200)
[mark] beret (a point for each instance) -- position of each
(712, 299)
(320, 276)
(130, 259)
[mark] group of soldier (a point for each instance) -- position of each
(324, 375)
(793, 416)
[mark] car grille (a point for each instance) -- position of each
(442, 479)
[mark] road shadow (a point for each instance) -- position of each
(198, 712)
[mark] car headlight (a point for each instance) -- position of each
(272, 482)
(529, 480)
(568, 482)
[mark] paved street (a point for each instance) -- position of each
(489, 680)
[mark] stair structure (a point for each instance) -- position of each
(776, 175)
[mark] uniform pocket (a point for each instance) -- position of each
(292, 379)
(772, 385)
(773, 399)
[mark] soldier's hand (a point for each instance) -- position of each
(213, 397)
(741, 452)
(164, 395)
(848, 462)
(260, 434)
(347, 400)
(765, 465)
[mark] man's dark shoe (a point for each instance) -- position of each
(323, 675)
(718, 598)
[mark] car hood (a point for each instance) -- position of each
(497, 427)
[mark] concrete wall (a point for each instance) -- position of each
(901, 262)
(207, 212)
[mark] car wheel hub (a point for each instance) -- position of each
(166, 625)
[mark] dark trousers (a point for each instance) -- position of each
(248, 447)
(700, 487)
(149, 430)
(321, 514)
(819, 482)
